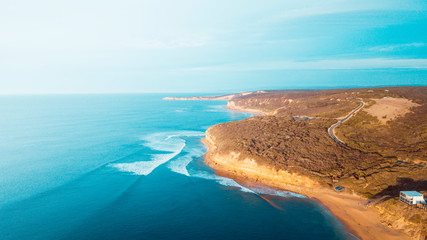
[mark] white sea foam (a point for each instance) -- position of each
(180, 165)
(231, 183)
(222, 180)
(279, 193)
(171, 142)
(181, 134)
(144, 167)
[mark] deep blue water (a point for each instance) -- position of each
(130, 167)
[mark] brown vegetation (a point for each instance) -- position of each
(379, 160)
(404, 137)
(297, 145)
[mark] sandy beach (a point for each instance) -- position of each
(365, 223)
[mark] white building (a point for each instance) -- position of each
(411, 197)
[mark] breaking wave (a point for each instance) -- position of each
(171, 145)
(222, 180)
(180, 164)
(170, 142)
(258, 191)
(274, 192)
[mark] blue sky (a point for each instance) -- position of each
(209, 46)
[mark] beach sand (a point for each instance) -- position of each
(365, 223)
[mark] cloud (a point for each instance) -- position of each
(388, 48)
(331, 64)
(328, 7)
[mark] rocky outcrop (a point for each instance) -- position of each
(403, 218)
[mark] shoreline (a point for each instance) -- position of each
(385, 219)
(364, 223)
(251, 111)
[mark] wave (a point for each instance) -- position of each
(145, 167)
(258, 191)
(173, 143)
(180, 165)
(170, 142)
(222, 180)
(274, 192)
(179, 134)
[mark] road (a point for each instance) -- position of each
(331, 129)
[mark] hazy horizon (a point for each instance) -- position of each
(50, 47)
(214, 92)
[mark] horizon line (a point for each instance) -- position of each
(216, 92)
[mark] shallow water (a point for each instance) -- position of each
(130, 167)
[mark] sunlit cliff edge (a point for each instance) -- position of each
(288, 147)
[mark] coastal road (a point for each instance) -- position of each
(332, 128)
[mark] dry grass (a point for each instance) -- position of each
(388, 108)
(385, 152)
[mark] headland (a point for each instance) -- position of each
(288, 147)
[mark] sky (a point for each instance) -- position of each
(133, 46)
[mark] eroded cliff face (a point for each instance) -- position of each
(233, 163)
(403, 219)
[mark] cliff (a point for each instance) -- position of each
(288, 151)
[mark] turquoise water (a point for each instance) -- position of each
(130, 167)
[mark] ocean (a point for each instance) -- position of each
(130, 166)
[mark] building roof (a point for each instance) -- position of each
(412, 193)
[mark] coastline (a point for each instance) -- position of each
(251, 111)
(232, 107)
(365, 223)
(370, 184)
